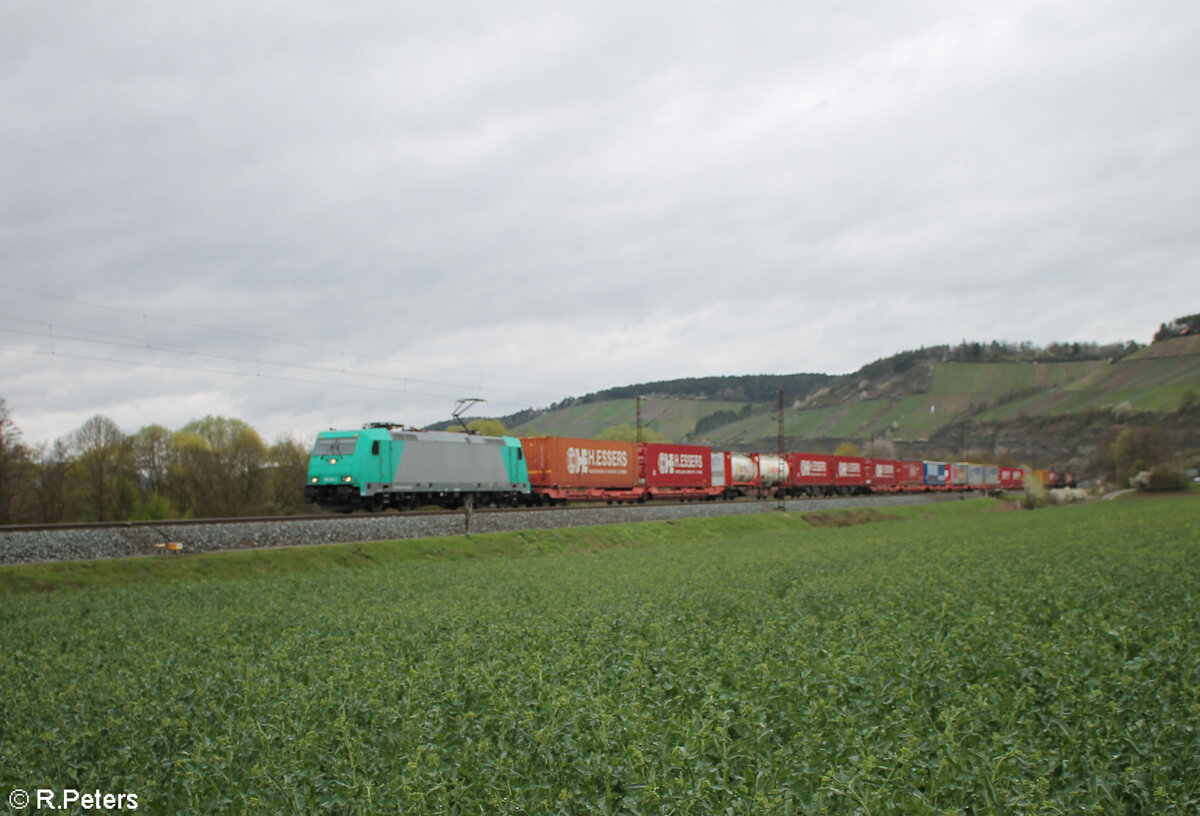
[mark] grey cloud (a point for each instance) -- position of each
(452, 186)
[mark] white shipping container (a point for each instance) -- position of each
(773, 469)
(742, 468)
(718, 469)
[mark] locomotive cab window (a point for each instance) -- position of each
(335, 446)
(375, 448)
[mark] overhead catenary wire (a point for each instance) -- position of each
(133, 343)
(247, 374)
(145, 317)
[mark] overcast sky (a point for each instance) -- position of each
(310, 215)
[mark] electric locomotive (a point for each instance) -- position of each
(384, 465)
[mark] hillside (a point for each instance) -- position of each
(1029, 404)
(1042, 406)
(671, 407)
(674, 418)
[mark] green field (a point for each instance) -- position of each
(956, 660)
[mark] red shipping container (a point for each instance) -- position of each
(912, 475)
(811, 469)
(851, 471)
(556, 461)
(883, 475)
(1012, 478)
(676, 465)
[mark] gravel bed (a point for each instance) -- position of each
(73, 545)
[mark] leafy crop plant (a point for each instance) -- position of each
(968, 662)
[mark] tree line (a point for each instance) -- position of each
(211, 467)
(1188, 324)
(998, 351)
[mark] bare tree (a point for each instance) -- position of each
(103, 461)
(289, 468)
(151, 449)
(246, 456)
(55, 499)
(14, 465)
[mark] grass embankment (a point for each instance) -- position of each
(239, 564)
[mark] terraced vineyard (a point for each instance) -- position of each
(914, 405)
(674, 417)
(955, 661)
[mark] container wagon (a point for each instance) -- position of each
(912, 476)
(975, 479)
(991, 477)
(937, 475)
(883, 475)
(741, 474)
(772, 474)
(678, 471)
(810, 474)
(563, 468)
(850, 475)
(1012, 478)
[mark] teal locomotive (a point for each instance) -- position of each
(384, 465)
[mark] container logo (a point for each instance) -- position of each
(812, 467)
(669, 463)
(849, 468)
(587, 460)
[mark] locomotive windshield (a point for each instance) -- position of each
(335, 446)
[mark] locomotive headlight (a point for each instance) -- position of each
(333, 461)
(313, 480)
(347, 479)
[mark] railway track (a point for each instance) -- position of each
(39, 543)
(155, 523)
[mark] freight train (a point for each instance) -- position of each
(383, 466)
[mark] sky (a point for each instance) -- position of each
(311, 214)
